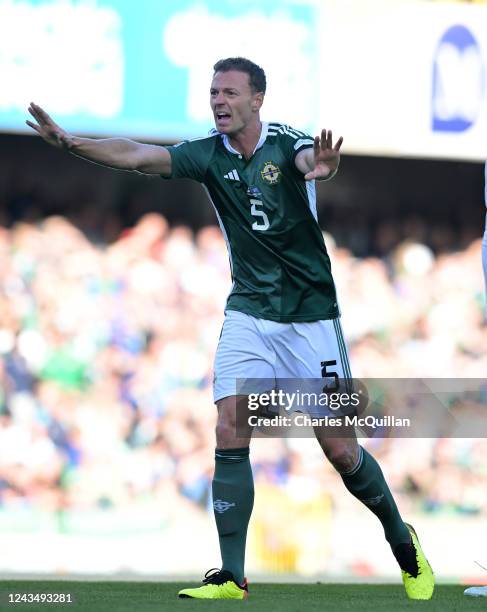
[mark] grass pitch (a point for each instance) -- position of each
(145, 596)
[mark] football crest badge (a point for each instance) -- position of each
(270, 173)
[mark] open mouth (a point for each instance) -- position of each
(223, 117)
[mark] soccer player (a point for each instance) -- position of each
(282, 317)
(481, 591)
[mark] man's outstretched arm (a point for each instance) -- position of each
(119, 153)
(321, 162)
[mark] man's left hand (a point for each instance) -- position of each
(326, 157)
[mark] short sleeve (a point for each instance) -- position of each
(293, 141)
(191, 158)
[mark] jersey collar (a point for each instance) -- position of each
(263, 136)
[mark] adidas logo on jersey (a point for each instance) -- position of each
(232, 176)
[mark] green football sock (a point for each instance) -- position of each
(367, 483)
(233, 499)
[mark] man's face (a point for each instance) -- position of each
(233, 104)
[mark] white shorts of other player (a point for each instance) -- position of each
(480, 591)
(251, 348)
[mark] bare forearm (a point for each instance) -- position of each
(119, 153)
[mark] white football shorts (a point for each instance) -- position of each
(266, 352)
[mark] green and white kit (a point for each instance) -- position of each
(280, 268)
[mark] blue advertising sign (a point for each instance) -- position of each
(458, 81)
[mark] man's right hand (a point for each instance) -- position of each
(119, 153)
(48, 129)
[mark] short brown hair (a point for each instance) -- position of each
(256, 74)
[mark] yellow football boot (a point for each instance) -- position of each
(417, 575)
(217, 584)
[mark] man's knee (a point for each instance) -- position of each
(229, 432)
(343, 455)
(226, 429)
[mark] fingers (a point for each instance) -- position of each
(326, 141)
(32, 112)
(316, 145)
(39, 114)
(338, 144)
(43, 115)
(329, 140)
(34, 126)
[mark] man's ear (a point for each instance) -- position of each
(258, 101)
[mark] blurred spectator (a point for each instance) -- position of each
(106, 355)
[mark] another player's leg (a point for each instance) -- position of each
(481, 591)
(233, 498)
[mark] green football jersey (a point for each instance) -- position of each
(267, 212)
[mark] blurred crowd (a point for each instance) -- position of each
(106, 355)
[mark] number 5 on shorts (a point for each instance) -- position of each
(330, 374)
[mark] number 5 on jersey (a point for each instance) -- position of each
(263, 220)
